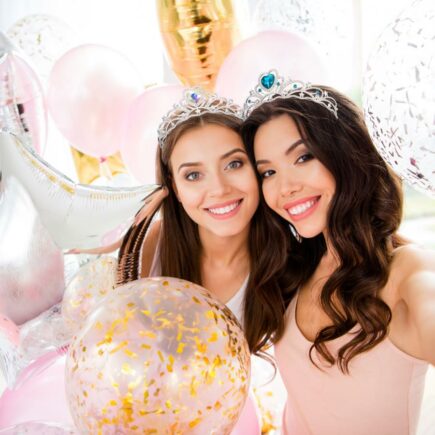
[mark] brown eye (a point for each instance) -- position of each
(305, 158)
(266, 174)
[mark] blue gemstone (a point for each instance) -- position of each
(268, 80)
(195, 97)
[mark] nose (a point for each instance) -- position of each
(289, 185)
(218, 185)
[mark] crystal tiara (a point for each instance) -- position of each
(272, 86)
(195, 102)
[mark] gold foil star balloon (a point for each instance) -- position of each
(198, 35)
(158, 356)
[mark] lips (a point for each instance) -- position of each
(224, 210)
(302, 208)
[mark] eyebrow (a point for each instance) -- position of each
(288, 151)
(222, 157)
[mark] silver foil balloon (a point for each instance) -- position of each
(22, 105)
(31, 265)
(76, 215)
(399, 95)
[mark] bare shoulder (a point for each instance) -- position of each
(413, 269)
(149, 247)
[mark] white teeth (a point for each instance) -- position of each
(226, 209)
(300, 208)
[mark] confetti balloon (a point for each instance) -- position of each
(91, 283)
(43, 38)
(160, 354)
(399, 95)
(38, 427)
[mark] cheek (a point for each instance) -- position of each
(186, 194)
(269, 195)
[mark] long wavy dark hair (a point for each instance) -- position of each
(180, 247)
(363, 218)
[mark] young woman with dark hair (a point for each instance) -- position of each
(211, 230)
(360, 319)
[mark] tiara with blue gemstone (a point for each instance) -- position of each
(272, 86)
(195, 102)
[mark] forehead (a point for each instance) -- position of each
(277, 134)
(206, 140)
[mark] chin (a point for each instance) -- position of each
(309, 233)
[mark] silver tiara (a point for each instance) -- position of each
(272, 86)
(195, 102)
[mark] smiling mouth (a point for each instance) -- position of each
(301, 209)
(222, 211)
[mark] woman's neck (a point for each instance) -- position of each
(224, 251)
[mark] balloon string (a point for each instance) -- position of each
(105, 168)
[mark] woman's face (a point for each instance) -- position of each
(295, 184)
(214, 180)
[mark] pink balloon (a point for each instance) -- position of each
(248, 423)
(291, 54)
(139, 145)
(39, 394)
(21, 98)
(89, 91)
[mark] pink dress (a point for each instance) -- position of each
(381, 396)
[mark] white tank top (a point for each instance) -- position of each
(235, 304)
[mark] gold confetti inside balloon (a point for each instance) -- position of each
(88, 288)
(198, 35)
(158, 356)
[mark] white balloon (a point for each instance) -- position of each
(76, 215)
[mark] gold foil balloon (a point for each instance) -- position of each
(198, 35)
(88, 287)
(158, 356)
(88, 168)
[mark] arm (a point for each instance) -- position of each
(417, 289)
